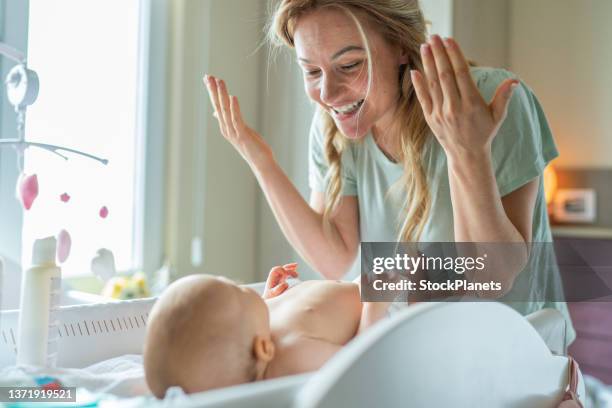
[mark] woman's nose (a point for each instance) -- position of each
(330, 90)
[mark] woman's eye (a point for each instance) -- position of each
(313, 73)
(348, 67)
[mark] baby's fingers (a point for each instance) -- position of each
(277, 290)
(291, 269)
(275, 276)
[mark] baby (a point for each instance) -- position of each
(207, 332)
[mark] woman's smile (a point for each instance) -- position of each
(348, 112)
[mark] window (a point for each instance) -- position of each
(86, 54)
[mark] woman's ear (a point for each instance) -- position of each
(263, 349)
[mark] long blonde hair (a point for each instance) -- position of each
(401, 23)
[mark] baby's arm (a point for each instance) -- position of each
(276, 283)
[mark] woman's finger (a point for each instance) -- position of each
(501, 99)
(236, 115)
(467, 88)
(290, 265)
(422, 93)
(213, 92)
(225, 107)
(445, 71)
(431, 76)
(211, 86)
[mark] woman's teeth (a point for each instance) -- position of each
(348, 108)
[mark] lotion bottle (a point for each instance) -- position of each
(40, 295)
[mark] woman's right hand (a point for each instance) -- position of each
(247, 141)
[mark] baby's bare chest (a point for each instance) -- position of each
(319, 309)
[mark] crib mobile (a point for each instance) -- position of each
(22, 86)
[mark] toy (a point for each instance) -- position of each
(127, 287)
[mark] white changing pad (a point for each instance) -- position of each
(122, 377)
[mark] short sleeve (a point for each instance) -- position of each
(524, 144)
(318, 166)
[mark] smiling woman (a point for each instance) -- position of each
(409, 143)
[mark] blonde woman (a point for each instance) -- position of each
(466, 146)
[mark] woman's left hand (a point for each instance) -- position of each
(454, 109)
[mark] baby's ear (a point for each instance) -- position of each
(263, 349)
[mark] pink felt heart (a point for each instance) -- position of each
(65, 197)
(27, 190)
(104, 212)
(64, 242)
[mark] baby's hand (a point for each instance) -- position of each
(277, 280)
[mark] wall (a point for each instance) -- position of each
(562, 49)
(481, 28)
(206, 175)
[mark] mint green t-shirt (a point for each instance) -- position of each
(521, 150)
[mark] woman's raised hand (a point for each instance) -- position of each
(247, 141)
(454, 109)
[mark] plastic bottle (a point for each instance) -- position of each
(40, 296)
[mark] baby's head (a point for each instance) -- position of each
(206, 332)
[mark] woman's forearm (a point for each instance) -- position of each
(301, 225)
(479, 216)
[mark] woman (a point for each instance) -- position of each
(404, 146)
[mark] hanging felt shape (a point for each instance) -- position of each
(27, 190)
(64, 243)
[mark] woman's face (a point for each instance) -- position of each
(334, 61)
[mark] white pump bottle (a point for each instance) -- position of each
(40, 295)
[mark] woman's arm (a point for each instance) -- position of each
(330, 254)
(465, 126)
(481, 215)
